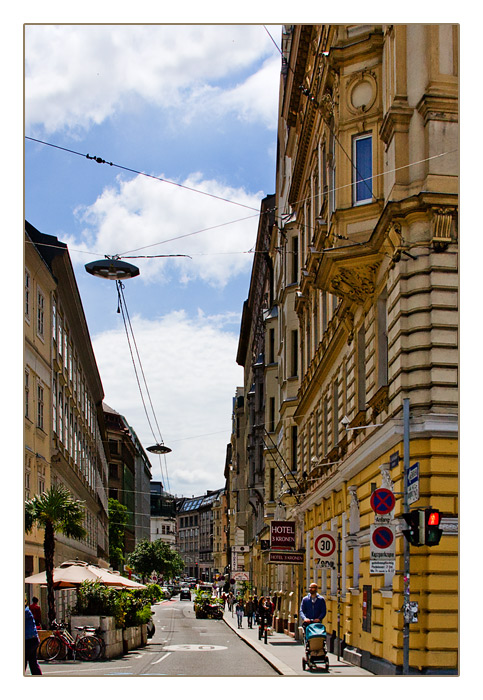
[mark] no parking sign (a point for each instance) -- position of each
(325, 550)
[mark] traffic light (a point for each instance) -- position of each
(415, 532)
(432, 530)
(424, 527)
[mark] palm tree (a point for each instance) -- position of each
(55, 510)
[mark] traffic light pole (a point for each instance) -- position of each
(406, 543)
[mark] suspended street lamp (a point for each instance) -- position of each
(159, 449)
(112, 269)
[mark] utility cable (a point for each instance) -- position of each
(122, 307)
(139, 172)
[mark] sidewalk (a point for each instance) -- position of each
(285, 654)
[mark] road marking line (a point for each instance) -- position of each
(161, 659)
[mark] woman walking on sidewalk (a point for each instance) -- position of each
(249, 610)
(239, 612)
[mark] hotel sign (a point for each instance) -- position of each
(286, 558)
(282, 534)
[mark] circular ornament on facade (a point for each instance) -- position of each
(361, 92)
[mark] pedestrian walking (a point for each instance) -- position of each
(249, 610)
(31, 643)
(255, 608)
(312, 607)
(230, 601)
(34, 608)
(239, 613)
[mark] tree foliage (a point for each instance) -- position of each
(155, 556)
(118, 519)
(54, 510)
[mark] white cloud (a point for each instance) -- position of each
(79, 75)
(137, 213)
(191, 373)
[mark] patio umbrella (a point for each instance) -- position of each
(71, 574)
(67, 575)
(109, 578)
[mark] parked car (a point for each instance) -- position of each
(166, 591)
(185, 594)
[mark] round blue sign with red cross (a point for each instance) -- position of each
(382, 501)
(382, 537)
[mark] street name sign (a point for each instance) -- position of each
(412, 484)
(325, 550)
(382, 549)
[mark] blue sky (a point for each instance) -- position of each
(196, 105)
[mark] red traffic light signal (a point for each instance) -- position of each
(432, 530)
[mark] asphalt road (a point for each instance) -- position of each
(181, 646)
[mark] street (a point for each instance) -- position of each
(181, 646)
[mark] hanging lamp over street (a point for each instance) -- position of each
(112, 269)
(159, 449)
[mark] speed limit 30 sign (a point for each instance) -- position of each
(325, 550)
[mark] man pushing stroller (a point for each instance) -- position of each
(312, 611)
(313, 607)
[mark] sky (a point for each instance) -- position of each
(195, 107)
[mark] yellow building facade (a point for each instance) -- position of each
(364, 322)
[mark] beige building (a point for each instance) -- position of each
(38, 295)
(64, 426)
(364, 321)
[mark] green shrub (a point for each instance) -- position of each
(130, 607)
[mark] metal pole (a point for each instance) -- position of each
(338, 595)
(406, 543)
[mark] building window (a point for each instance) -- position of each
(295, 260)
(271, 346)
(40, 313)
(27, 393)
(295, 354)
(294, 448)
(54, 405)
(27, 295)
(271, 416)
(361, 369)
(335, 412)
(382, 362)
(40, 406)
(362, 169)
(28, 471)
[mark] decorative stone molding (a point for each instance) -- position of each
(442, 227)
(361, 92)
(380, 401)
(354, 283)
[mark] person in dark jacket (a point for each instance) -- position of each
(313, 607)
(31, 643)
(239, 612)
(249, 610)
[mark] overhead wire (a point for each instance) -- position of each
(123, 308)
(140, 172)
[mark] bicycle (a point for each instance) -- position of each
(58, 645)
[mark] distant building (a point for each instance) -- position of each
(129, 476)
(195, 534)
(163, 515)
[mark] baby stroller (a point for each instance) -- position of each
(315, 647)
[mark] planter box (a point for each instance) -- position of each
(118, 641)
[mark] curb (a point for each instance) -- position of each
(274, 662)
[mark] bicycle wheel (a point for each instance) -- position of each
(51, 648)
(103, 646)
(88, 648)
